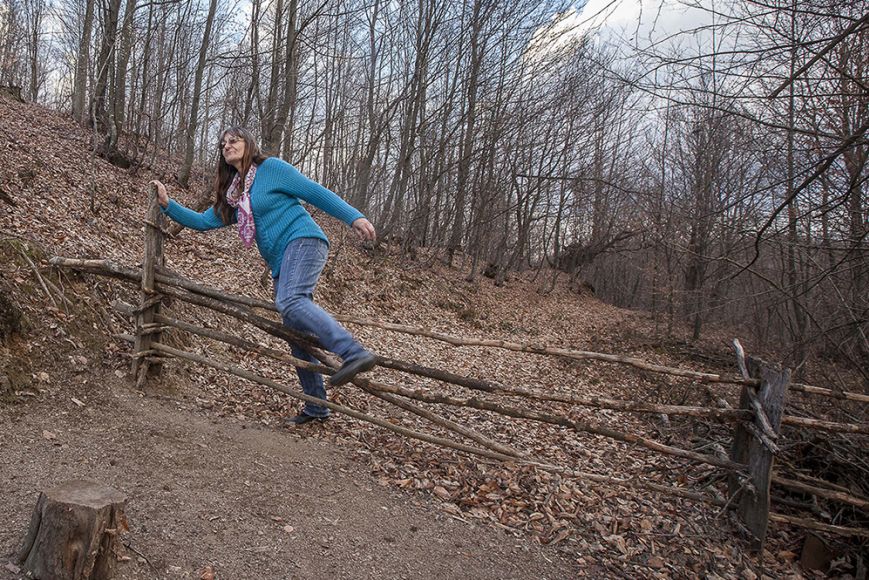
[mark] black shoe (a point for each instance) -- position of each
(351, 368)
(303, 418)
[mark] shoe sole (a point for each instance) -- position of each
(290, 423)
(347, 373)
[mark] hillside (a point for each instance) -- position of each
(214, 479)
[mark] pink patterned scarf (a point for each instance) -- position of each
(241, 201)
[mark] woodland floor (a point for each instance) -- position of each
(248, 500)
(212, 477)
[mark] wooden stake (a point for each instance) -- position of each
(753, 508)
(144, 368)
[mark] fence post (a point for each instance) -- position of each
(751, 444)
(143, 366)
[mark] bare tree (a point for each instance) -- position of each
(184, 173)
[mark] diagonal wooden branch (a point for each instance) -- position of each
(634, 483)
(176, 280)
(224, 337)
(818, 424)
(813, 525)
(223, 306)
(447, 424)
(276, 329)
(552, 419)
(323, 369)
(833, 394)
(534, 349)
(38, 275)
(381, 388)
(168, 277)
(592, 401)
(243, 373)
(764, 432)
(839, 496)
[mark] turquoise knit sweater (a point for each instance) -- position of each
(277, 210)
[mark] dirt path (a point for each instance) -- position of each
(251, 501)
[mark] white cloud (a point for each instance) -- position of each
(629, 24)
(644, 22)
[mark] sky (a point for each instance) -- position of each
(640, 33)
(638, 23)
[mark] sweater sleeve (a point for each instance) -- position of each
(295, 183)
(207, 220)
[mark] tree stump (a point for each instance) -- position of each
(74, 531)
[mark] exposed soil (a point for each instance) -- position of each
(248, 500)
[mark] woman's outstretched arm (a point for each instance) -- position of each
(207, 220)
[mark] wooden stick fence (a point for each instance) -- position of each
(756, 423)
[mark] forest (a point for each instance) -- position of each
(706, 162)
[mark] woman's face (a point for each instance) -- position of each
(232, 148)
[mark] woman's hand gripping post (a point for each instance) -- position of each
(162, 196)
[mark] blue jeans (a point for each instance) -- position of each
(301, 266)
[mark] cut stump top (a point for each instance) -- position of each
(85, 493)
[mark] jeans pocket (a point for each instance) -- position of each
(303, 262)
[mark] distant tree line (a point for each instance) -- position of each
(717, 180)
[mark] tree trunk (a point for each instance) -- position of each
(35, 20)
(107, 46)
(120, 92)
(279, 108)
(795, 287)
(184, 174)
(253, 87)
(463, 179)
(79, 93)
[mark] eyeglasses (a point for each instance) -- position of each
(229, 141)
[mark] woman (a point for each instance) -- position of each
(263, 196)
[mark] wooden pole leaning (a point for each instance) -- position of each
(753, 505)
(145, 367)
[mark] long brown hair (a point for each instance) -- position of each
(226, 172)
